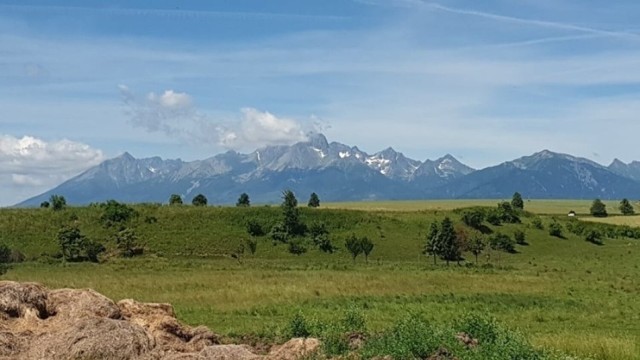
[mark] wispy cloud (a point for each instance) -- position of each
(178, 13)
(174, 114)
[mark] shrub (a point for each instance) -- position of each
(594, 237)
(473, 218)
(555, 229)
(537, 223)
(297, 246)
(254, 228)
(493, 217)
(298, 326)
(502, 242)
(115, 212)
(520, 237)
(127, 242)
(252, 244)
(199, 200)
(58, 202)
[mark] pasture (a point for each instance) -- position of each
(560, 293)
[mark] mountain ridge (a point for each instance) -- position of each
(338, 172)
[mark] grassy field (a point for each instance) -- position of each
(549, 207)
(616, 220)
(565, 294)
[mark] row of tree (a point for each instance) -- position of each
(243, 200)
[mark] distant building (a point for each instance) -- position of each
(571, 214)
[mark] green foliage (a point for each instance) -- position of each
(243, 200)
(298, 327)
(319, 235)
(58, 202)
(477, 245)
(598, 209)
(473, 218)
(75, 246)
(127, 243)
(536, 222)
(507, 213)
(555, 229)
(45, 204)
(412, 337)
(5, 258)
(314, 200)
(502, 242)
(199, 200)
(115, 212)
(520, 237)
(252, 244)
(494, 217)
(626, 208)
(297, 246)
(279, 233)
(516, 201)
(594, 236)
(175, 199)
(450, 247)
(433, 245)
(354, 246)
(353, 320)
(254, 228)
(367, 247)
(291, 216)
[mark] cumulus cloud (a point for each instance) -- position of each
(174, 114)
(29, 165)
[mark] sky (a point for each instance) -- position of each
(487, 82)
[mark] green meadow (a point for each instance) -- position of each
(564, 294)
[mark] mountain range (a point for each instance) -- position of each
(338, 172)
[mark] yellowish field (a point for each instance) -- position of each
(617, 220)
(555, 207)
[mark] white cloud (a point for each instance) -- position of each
(29, 165)
(259, 128)
(174, 114)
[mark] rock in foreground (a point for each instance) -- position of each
(38, 323)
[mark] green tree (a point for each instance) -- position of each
(516, 201)
(115, 212)
(127, 242)
(243, 200)
(450, 250)
(45, 204)
(433, 246)
(75, 246)
(199, 200)
(473, 218)
(314, 200)
(476, 245)
(354, 246)
(507, 213)
(598, 208)
(367, 247)
(520, 237)
(291, 215)
(175, 199)
(58, 202)
(626, 208)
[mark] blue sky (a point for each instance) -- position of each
(486, 81)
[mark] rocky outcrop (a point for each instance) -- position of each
(38, 323)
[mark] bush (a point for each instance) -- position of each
(594, 237)
(555, 229)
(75, 246)
(520, 237)
(412, 337)
(493, 217)
(473, 218)
(297, 246)
(127, 242)
(502, 242)
(254, 228)
(115, 212)
(298, 327)
(537, 223)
